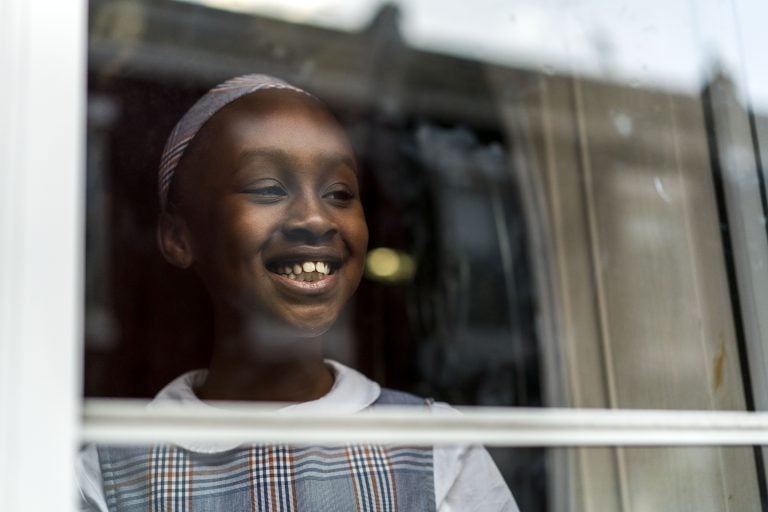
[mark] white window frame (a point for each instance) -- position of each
(131, 422)
(42, 55)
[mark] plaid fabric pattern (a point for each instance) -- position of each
(172, 466)
(374, 487)
(269, 478)
(271, 471)
(272, 478)
(214, 100)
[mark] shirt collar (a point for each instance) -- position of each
(351, 392)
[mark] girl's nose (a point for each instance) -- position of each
(308, 220)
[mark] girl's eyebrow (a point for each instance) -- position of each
(269, 155)
(283, 159)
(335, 160)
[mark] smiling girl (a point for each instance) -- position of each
(260, 198)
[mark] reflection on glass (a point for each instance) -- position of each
(669, 478)
(451, 317)
(260, 200)
(610, 479)
(564, 201)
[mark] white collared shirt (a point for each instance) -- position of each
(465, 477)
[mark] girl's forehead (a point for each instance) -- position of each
(296, 126)
(278, 118)
(270, 110)
(273, 104)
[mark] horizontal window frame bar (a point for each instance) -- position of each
(126, 422)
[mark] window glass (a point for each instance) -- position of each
(547, 216)
(564, 202)
(446, 307)
(658, 478)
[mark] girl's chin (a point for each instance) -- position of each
(281, 321)
(290, 328)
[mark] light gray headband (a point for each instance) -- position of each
(213, 101)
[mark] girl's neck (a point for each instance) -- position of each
(255, 362)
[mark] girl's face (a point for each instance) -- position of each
(272, 207)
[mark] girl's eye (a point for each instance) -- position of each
(268, 192)
(341, 195)
(265, 193)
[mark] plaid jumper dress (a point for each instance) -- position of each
(268, 478)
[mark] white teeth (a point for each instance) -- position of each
(306, 271)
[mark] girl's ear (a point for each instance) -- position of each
(174, 241)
